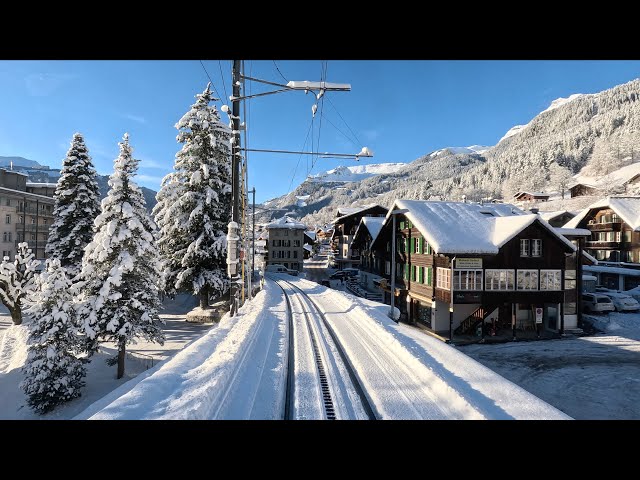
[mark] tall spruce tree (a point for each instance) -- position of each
(76, 207)
(53, 372)
(194, 205)
(120, 269)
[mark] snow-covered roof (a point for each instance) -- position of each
(307, 247)
(41, 184)
(311, 234)
(347, 211)
(286, 222)
(619, 270)
(590, 257)
(548, 216)
(373, 224)
(616, 178)
(573, 232)
(627, 208)
(534, 194)
(458, 227)
(13, 171)
(589, 277)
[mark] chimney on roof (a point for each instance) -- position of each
(534, 210)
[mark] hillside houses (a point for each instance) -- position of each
(619, 181)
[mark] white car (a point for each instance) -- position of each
(622, 301)
(597, 302)
(277, 268)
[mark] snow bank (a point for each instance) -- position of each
(195, 383)
(13, 348)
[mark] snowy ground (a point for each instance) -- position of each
(238, 369)
(100, 377)
(595, 377)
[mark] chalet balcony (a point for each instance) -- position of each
(34, 211)
(605, 227)
(601, 245)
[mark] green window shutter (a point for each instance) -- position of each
(406, 245)
(421, 275)
(402, 225)
(428, 249)
(406, 271)
(429, 275)
(414, 269)
(421, 245)
(413, 244)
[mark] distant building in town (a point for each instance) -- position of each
(614, 223)
(345, 226)
(26, 213)
(285, 243)
(531, 197)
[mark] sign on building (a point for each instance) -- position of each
(468, 263)
(538, 315)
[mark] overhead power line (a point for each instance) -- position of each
(209, 77)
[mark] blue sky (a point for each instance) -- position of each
(399, 109)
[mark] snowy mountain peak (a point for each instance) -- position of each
(355, 173)
(513, 131)
(558, 102)
(458, 150)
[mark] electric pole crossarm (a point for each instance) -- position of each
(342, 155)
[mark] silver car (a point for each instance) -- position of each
(597, 302)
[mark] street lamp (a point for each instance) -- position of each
(393, 260)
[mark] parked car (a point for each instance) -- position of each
(597, 302)
(622, 301)
(277, 268)
(351, 272)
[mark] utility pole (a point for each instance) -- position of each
(253, 230)
(235, 194)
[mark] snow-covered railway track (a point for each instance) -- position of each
(321, 383)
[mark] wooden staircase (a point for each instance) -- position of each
(470, 323)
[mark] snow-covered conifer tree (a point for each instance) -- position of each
(53, 372)
(76, 207)
(194, 205)
(16, 280)
(120, 270)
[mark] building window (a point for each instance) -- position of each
(550, 280)
(20, 219)
(428, 276)
(387, 268)
(8, 202)
(286, 233)
(295, 254)
(499, 279)
(44, 221)
(536, 247)
(527, 279)
(296, 243)
(4, 237)
(417, 247)
(467, 279)
(274, 242)
(33, 220)
(628, 256)
(570, 308)
(399, 269)
(618, 236)
(288, 253)
(7, 219)
(6, 253)
(627, 235)
(524, 247)
(443, 278)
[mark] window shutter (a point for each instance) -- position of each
(413, 244)
(429, 275)
(421, 245)
(406, 271)
(421, 274)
